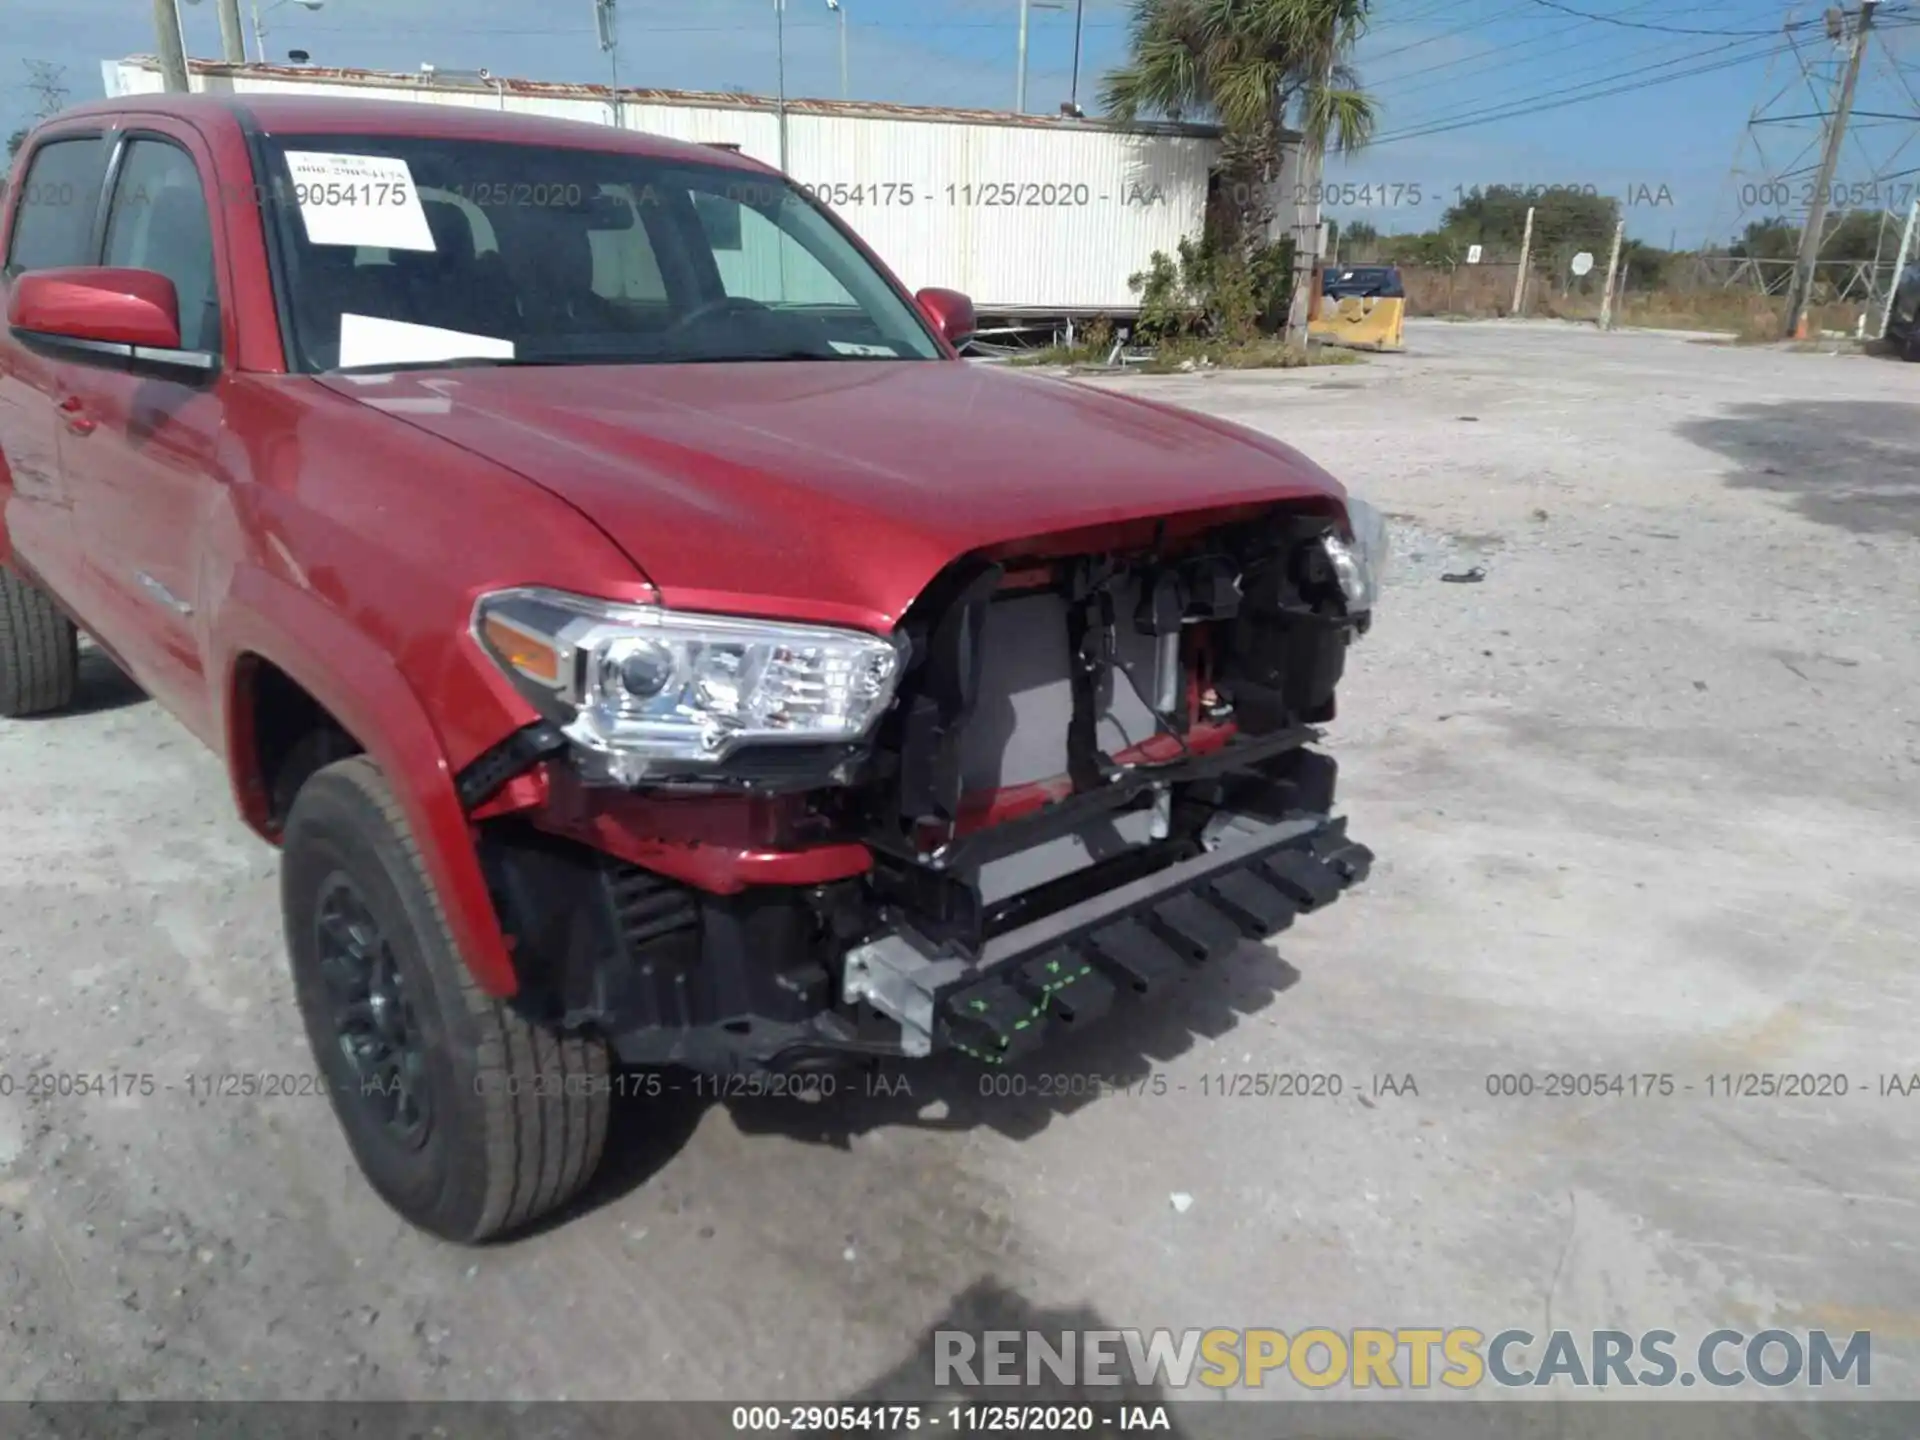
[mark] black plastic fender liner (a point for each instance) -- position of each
(492, 770)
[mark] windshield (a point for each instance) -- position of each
(404, 251)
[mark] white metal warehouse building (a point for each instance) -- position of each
(1033, 216)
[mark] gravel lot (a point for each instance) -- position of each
(1644, 799)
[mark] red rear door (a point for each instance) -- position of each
(50, 217)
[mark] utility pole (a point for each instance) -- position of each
(233, 39)
(1801, 294)
(1079, 25)
(607, 28)
(1026, 7)
(1526, 259)
(841, 10)
(1613, 268)
(1020, 93)
(173, 55)
(780, 41)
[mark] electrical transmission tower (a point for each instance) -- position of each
(1839, 110)
(43, 79)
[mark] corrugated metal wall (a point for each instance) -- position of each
(1035, 218)
(1018, 218)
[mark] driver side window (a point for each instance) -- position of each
(158, 221)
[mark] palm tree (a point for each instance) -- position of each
(1251, 66)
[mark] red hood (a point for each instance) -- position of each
(835, 492)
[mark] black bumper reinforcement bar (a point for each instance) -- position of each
(1065, 969)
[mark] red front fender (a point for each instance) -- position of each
(359, 685)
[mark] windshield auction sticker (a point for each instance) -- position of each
(370, 340)
(366, 200)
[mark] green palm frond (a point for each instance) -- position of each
(1340, 119)
(1245, 63)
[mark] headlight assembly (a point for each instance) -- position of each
(651, 690)
(1360, 563)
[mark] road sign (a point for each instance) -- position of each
(1582, 263)
(1473, 254)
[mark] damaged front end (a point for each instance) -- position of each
(1079, 766)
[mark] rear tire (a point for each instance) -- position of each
(39, 650)
(469, 1119)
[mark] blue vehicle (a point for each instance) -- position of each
(1903, 320)
(1377, 282)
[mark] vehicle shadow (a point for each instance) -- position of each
(1126, 1051)
(927, 1377)
(1850, 463)
(102, 686)
(644, 1134)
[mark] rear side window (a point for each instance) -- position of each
(158, 221)
(54, 222)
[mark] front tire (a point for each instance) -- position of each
(469, 1119)
(39, 650)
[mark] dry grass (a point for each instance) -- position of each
(1179, 356)
(1750, 319)
(1486, 292)
(1473, 292)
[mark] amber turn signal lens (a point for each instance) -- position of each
(531, 655)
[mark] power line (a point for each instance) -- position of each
(1396, 91)
(640, 26)
(1807, 68)
(1446, 34)
(1392, 89)
(1438, 7)
(1646, 25)
(1394, 80)
(1520, 109)
(1526, 95)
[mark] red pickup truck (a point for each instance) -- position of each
(648, 641)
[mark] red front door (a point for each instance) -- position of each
(143, 456)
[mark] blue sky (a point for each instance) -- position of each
(1672, 147)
